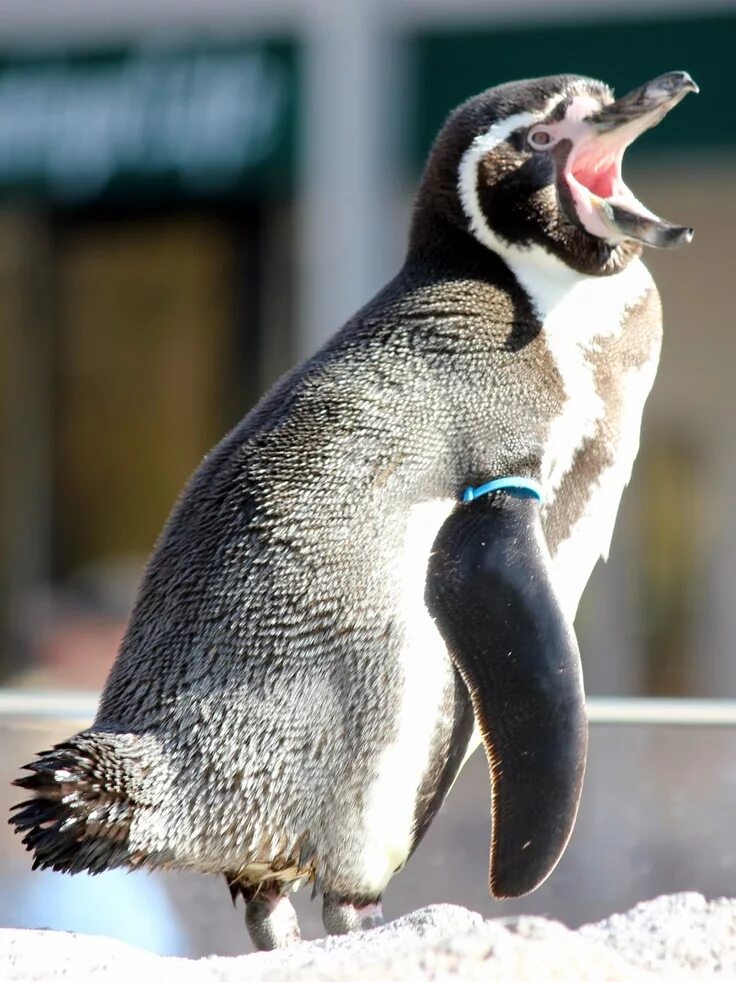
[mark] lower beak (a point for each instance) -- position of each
(595, 164)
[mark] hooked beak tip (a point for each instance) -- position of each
(647, 105)
(675, 83)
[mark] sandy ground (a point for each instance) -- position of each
(672, 937)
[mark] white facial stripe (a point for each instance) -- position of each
(468, 172)
(581, 106)
(468, 180)
(468, 177)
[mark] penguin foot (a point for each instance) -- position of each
(341, 916)
(271, 920)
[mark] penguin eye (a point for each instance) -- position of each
(540, 138)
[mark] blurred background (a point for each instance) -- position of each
(193, 197)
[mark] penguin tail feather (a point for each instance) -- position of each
(79, 813)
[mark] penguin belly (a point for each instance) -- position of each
(434, 721)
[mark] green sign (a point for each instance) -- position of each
(452, 65)
(204, 121)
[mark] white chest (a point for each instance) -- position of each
(579, 314)
(590, 537)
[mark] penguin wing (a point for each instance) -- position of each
(490, 592)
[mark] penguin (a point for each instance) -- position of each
(378, 568)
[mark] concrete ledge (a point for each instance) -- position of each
(675, 937)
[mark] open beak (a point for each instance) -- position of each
(602, 202)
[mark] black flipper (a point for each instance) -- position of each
(489, 589)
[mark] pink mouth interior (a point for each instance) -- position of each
(603, 204)
(593, 171)
(601, 176)
(595, 163)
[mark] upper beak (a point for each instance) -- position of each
(645, 106)
(594, 164)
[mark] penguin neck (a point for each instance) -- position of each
(440, 249)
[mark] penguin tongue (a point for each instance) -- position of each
(603, 203)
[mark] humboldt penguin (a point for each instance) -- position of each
(380, 565)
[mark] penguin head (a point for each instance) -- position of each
(535, 167)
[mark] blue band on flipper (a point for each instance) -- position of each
(527, 485)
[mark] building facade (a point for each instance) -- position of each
(192, 197)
